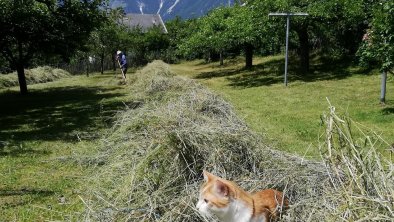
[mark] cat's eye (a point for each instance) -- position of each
(205, 200)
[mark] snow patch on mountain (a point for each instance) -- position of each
(169, 9)
(141, 6)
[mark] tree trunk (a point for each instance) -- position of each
(21, 78)
(221, 58)
(87, 67)
(248, 56)
(20, 69)
(114, 62)
(304, 47)
(102, 63)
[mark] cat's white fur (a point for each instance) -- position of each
(236, 211)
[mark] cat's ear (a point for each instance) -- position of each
(222, 188)
(207, 176)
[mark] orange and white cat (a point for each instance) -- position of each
(230, 203)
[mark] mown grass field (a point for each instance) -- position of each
(290, 116)
(41, 133)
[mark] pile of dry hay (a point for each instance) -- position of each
(155, 153)
(37, 75)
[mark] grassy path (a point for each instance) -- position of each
(41, 133)
(290, 117)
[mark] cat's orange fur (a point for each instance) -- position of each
(231, 203)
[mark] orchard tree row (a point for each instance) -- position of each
(35, 32)
(361, 29)
(333, 27)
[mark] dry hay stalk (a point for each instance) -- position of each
(361, 177)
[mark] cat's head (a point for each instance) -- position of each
(215, 196)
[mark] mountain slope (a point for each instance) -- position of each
(169, 9)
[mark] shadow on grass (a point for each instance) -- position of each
(272, 72)
(388, 110)
(22, 192)
(18, 151)
(52, 114)
(15, 198)
(219, 73)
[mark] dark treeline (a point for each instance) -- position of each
(359, 29)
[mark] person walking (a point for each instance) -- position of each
(121, 57)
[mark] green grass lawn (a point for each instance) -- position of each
(289, 117)
(40, 136)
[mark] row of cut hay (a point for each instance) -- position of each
(154, 156)
(40, 74)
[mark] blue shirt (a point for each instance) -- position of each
(122, 59)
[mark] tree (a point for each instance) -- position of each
(333, 26)
(248, 30)
(109, 37)
(30, 28)
(378, 42)
(155, 42)
(210, 34)
(227, 28)
(178, 30)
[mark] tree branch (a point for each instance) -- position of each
(7, 53)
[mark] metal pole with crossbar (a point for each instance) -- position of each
(288, 15)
